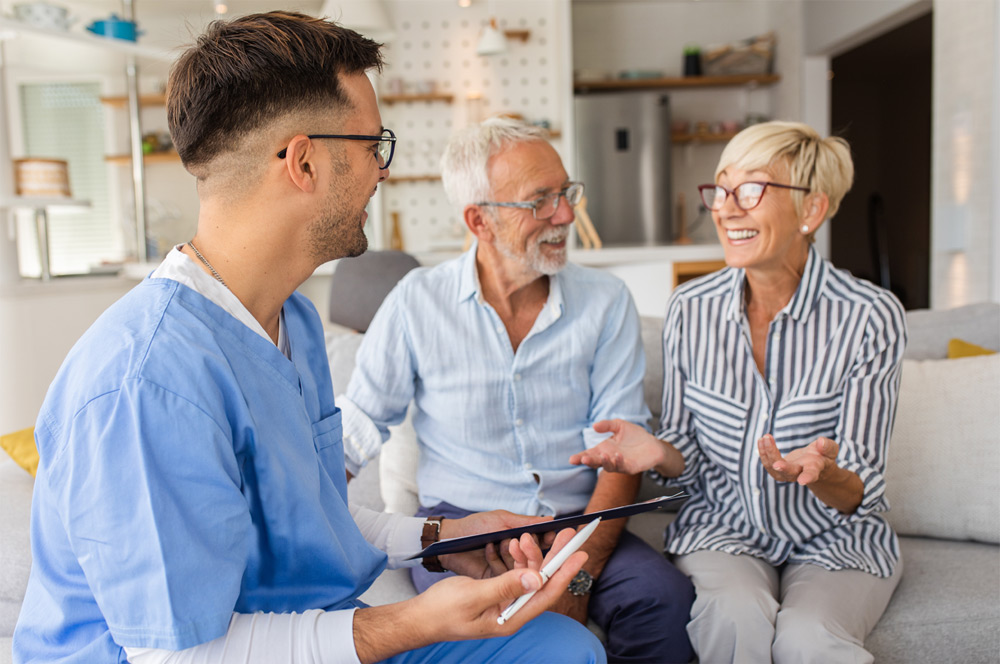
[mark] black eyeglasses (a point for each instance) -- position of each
(386, 145)
(545, 206)
(746, 195)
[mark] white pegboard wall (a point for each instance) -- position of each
(435, 48)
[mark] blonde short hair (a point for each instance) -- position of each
(821, 164)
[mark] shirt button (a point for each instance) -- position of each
(518, 422)
(541, 494)
(517, 376)
(499, 329)
(528, 466)
(755, 492)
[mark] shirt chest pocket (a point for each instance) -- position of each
(328, 439)
(802, 419)
(719, 422)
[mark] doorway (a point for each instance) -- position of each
(881, 103)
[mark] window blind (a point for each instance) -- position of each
(66, 121)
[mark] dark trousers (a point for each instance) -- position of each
(640, 600)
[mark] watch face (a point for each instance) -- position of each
(581, 583)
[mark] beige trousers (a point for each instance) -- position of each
(746, 610)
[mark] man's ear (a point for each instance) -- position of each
(300, 165)
(475, 219)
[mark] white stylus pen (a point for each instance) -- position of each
(550, 568)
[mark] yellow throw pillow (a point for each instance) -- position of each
(20, 446)
(958, 348)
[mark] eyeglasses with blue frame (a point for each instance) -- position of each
(386, 145)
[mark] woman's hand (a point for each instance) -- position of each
(814, 466)
(631, 449)
(805, 465)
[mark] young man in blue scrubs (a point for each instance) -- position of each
(191, 500)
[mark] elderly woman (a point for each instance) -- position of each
(781, 377)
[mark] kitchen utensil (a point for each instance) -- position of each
(585, 227)
(115, 28)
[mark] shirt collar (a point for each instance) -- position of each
(469, 287)
(801, 304)
(468, 280)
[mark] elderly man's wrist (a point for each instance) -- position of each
(430, 535)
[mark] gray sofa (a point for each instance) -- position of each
(943, 484)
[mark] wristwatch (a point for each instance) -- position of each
(431, 534)
(581, 583)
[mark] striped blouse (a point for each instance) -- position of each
(832, 369)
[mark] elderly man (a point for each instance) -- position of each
(191, 503)
(510, 355)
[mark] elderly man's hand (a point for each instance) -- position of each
(630, 449)
(497, 558)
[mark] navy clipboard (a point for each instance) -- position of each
(471, 542)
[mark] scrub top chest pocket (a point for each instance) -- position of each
(328, 438)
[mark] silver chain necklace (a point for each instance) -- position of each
(207, 264)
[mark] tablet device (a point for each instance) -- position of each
(471, 542)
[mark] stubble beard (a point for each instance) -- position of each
(337, 233)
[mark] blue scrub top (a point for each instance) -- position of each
(188, 470)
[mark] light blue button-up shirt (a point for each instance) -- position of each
(496, 428)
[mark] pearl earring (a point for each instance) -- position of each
(805, 228)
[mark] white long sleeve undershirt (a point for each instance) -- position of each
(310, 637)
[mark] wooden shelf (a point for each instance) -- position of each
(35, 202)
(412, 178)
(122, 46)
(152, 158)
(677, 82)
(144, 100)
(434, 96)
(678, 139)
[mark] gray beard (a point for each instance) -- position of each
(533, 258)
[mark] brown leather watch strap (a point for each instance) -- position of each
(431, 534)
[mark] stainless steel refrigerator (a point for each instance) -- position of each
(623, 159)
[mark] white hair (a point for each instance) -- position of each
(465, 162)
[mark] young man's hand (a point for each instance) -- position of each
(459, 608)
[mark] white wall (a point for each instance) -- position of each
(965, 153)
(834, 26)
(39, 323)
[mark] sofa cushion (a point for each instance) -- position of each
(943, 472)
(930, 329)
(958, 348)
(652, 383)
(946, 607)
(20, 445)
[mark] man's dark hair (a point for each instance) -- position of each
(244, 73)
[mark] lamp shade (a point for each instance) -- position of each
(492, 41)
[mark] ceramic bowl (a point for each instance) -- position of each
(114, 27)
